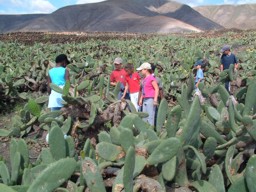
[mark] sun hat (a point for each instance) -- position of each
(144, 66)
(225, 48)
(118, 60)
(62, 57)
(199, 62)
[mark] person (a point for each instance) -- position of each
(198, 79)
(133, 84)
(159, 83)
(199, 73)
(58, 75)
(150, 91)
(118, 75)
(227, 58)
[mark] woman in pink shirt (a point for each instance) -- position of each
(150, 91)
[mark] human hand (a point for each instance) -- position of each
(155, 103)
(140, 103)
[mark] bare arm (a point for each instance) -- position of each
(125, 90)
(67, 75)
(236, 66)
(198, 82)
(154, 83)
(113, 83)
(221, 67)
(140, 97)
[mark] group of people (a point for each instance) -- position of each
(227, 58)
(140, 85)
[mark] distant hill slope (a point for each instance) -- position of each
(230, 16)
(14, 22)
(120, 16)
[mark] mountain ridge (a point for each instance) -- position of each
(231, 16)
(143, 16)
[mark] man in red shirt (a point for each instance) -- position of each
(118, 75)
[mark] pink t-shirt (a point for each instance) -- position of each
(148, 90)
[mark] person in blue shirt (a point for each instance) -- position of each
(227, 58)
(198, 79)
(58, 75)
(199, 73)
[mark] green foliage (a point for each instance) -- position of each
(57, 143)
(4, 173)
(54, 175)
(250, 173)
(161, 115)
(186, 142)
(34, 108)
(5, 188)
(165, 151)
(109, 151)
(92, 175)
(129, 166)
(192, 126)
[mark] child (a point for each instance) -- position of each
(150, 92)
(58, 75)
(133, 84)
(118, 75)
(199, 73)
(199, 78)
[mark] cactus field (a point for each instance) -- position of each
(97, 143)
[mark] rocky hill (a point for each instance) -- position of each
(230, 16)
(145, 16)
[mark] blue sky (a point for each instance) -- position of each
(48, 6)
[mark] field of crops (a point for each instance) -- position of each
(107, 147)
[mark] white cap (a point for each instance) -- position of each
(144, 66)
(118, 60)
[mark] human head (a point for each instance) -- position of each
(153, 67)
(145, 69)
(225, 49)
(198, 64)
(129, 68)
(118, 63)
(62, 60)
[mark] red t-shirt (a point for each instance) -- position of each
(133, 82)
(118, 76)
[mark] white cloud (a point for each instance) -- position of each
(42, 6)
(239, 2)
(26, 6)
(246, 1)
(190, 2)
(88, 1)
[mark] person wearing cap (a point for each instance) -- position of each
(199, 73)
(150, 91)
(58, 75)
(227, 58)
(118, 75)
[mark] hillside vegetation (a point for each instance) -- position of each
(97, 143)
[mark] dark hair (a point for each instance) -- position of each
(150, 71)
(129, 66)
(61, 58)
(153, 67)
